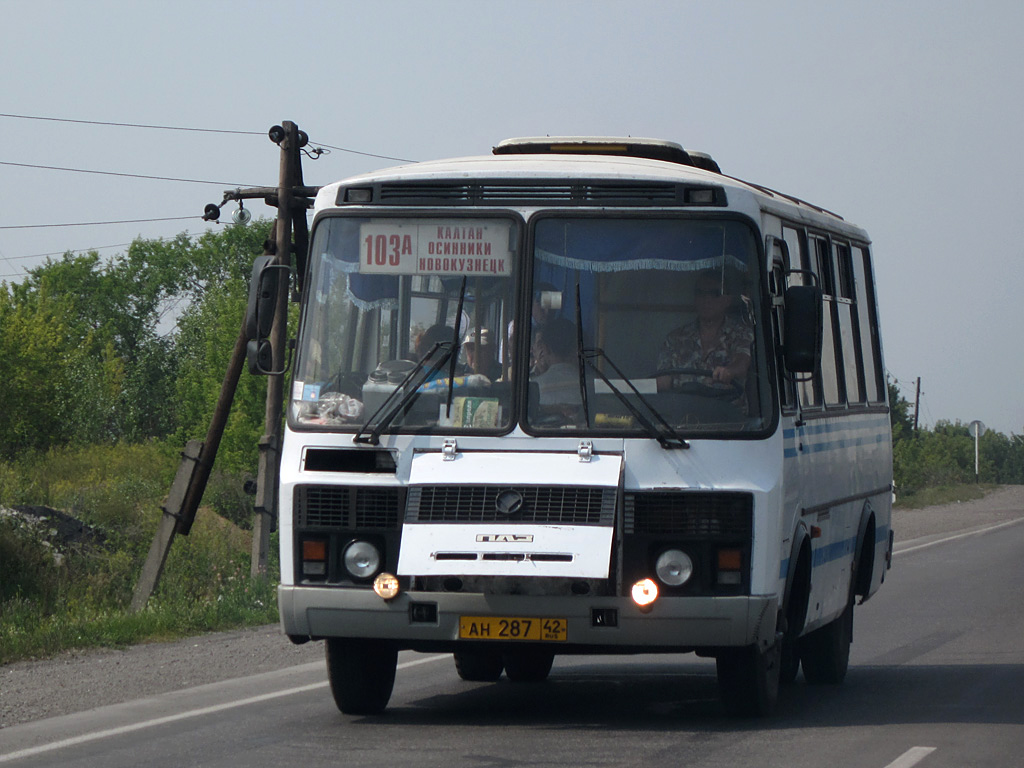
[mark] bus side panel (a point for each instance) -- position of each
(833, 467)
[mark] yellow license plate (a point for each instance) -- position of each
(512, 628)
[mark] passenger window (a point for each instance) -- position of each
(831, 364)
(780, 264)
(867, 319)
(808, 387)
(846, 314)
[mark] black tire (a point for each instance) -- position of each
(479, 666)
(796, 616)
(825, 652)
(362, 674)
(748, 680)
(789, 661)
(528, 665)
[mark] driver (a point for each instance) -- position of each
(716, 341)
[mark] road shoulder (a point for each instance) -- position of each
(82, 680)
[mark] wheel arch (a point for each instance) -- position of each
(864, 553)
(798, 583)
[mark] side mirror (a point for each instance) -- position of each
(259, 354)
(803, 328)
(259, 314)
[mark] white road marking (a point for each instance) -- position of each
(956, 536)
(912, 756)
(87, 737)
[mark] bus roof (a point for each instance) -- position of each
(561, 158)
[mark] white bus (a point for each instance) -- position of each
(582, 396)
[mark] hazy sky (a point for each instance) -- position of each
(904, 117)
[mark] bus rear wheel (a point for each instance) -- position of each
(361, 673)
(825, 652)
(528, 665)
(479, 666)
(748, 679)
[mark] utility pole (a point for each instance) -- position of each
(270, 444)
(179, 509)
(917, 403)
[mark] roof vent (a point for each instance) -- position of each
(652, 149)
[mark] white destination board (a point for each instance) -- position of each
(457, 247)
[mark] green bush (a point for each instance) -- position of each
(29, 569)
(56, 595)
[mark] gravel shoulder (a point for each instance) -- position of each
(82, 680)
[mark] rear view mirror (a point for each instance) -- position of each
(259, 354)
(803, 327)
(259, 314)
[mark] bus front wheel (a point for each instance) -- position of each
(748, 679)
(361, 673)
(528, 665)
(479, 666)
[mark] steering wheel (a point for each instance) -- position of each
(731, 391)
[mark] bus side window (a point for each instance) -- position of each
(808, 388)
(846, 314)
(867, 318)
(830, 381)
(777, 288)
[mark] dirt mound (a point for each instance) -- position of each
(59, 529)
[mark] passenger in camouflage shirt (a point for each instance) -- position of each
(715, 340)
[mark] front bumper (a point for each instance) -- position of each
(672, 623)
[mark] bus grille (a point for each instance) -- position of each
(693, 515)
(340, 506)
(558, 505)
(507, 192)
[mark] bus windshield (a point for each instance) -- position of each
(637, 326)
(406, 325)
(645, 324)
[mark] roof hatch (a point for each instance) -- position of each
(652, 149)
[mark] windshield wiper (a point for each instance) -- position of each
(668, 441)
(581, 356)
(410, 393)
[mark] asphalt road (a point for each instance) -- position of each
(936, 679)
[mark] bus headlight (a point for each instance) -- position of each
(386, 586)
(361, 559)
(644, 593)
(673, 567)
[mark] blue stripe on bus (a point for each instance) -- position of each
(806, 433)
(830, 552)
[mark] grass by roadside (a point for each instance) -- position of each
(27, 633)
(950, 494)
(67, 582)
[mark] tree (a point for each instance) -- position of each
(91, 350)
(899, 412)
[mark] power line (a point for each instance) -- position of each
(15, 266)
(25, 271)
(133, 125)
(93, 248)
(194, 130)
(127, 175)
(69, 250)
(99, 223)
(364, 154)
